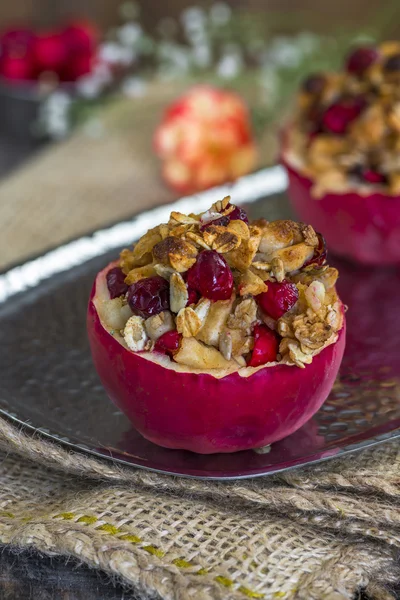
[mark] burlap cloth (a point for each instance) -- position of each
(318, 533)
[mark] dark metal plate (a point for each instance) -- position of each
(48, 383)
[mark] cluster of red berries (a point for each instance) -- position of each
(25, 55)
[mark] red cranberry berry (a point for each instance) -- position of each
(238, 214)
(211, 276)
(266, 345)
(116, 282)
(194, 296)
(371, 176)
(148, 297)
(168, 343)
(51, 52)
(361, 59)
(320, 253)
(392, 64)
(339, 115)
(314, 84)
(278, 299)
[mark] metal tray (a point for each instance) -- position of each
(48, 383)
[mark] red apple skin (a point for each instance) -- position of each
(365, 229)
(201, 413)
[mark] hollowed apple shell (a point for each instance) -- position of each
(364, 228)
(202, 413)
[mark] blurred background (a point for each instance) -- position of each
(102, 79)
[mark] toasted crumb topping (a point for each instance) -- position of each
(269, 274)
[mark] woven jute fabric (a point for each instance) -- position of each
(318, 533)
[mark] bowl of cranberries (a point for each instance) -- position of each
(341, 152)
(215, 334)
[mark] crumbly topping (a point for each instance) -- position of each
(261, 257)
(346, 131)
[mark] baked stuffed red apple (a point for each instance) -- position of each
(215, 334)
(342, 155)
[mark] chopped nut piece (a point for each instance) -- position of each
(184, 219)
(294, 257)
(243, 256)
(135, 335)
(245, 315)
(220, 239)
(221, 205)
(196, 355)
(141, 253)
(159, 324)
(311, 334)
(197, 239)
(279, 234)
(164, 231)
(140, 273)
(177, 253)
(188, 322)
(178, 293)
(240, 228)
(297, 356)
(309, 235)
(164, 271)
(251, 284)
(241, 342)
(278, 269)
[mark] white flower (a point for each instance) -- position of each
(201, 54)
(89, 87)
(129, 34)
(134, 87)
(230, 65)
(284, 53)
(193, 18)
(115, 54)
(220, 13)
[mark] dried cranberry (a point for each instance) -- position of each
(361, 59)
(392, 64)
(222, 221)
(371, 176)
(149, 296)
(339, 115)
(211, 276)
(314, 84)
(238, 214)
(320, 253)
(116, 282)
(193, 298)
(278, 299)
(266, 345)
(168, 343)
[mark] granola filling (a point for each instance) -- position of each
(346, 130)
(213, 291)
